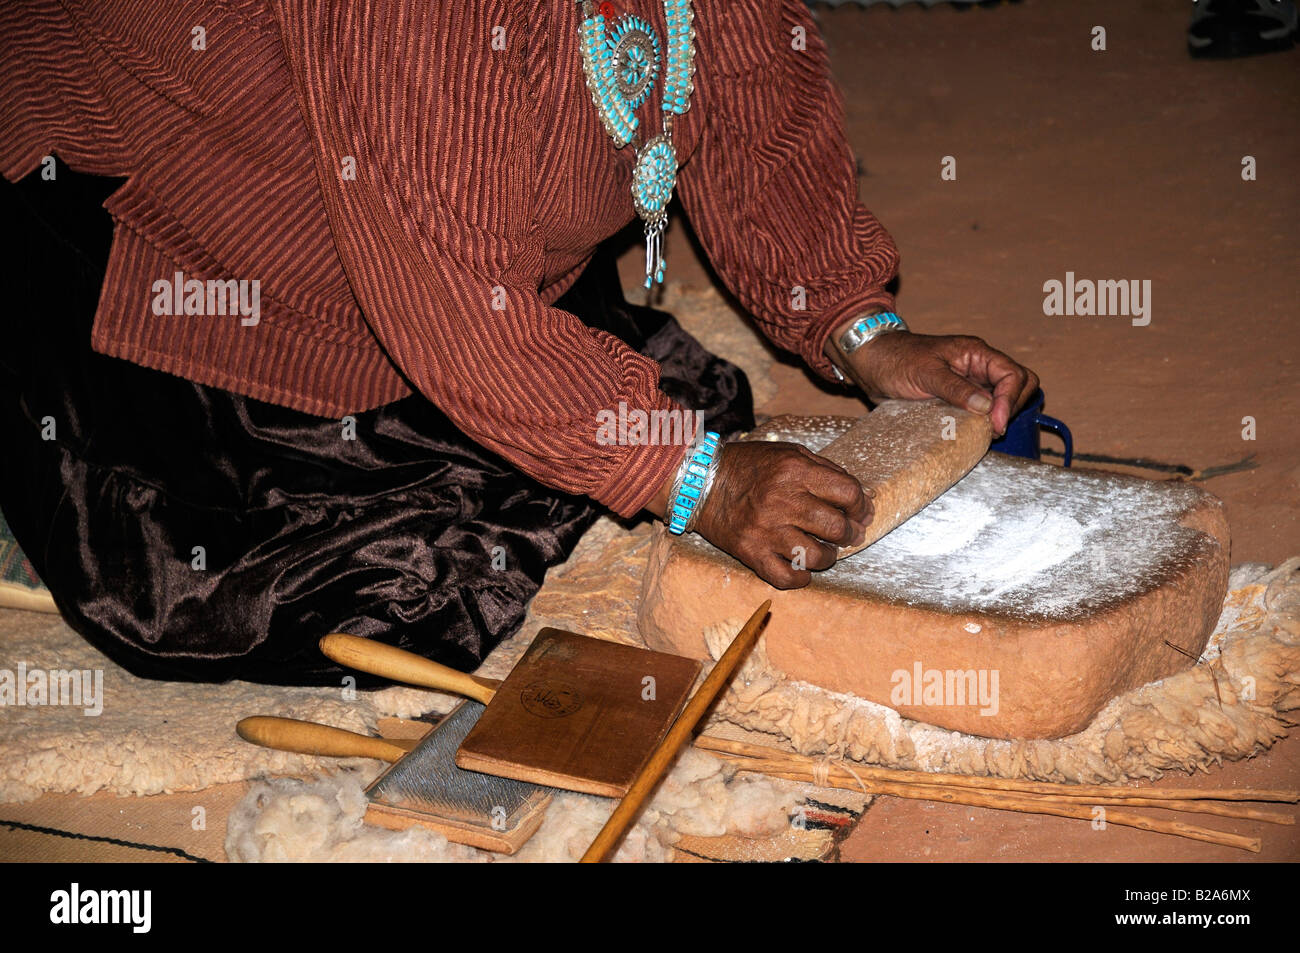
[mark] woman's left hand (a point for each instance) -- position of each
(962, 370)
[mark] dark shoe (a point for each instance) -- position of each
(1226, 28)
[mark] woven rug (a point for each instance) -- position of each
(20, 587)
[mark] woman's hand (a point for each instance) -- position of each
(962, 370)
(782, 510)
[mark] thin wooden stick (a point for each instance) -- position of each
(846, 775)
(626, 811)
(1173, 804)
(1005, 784)
(1024, 805)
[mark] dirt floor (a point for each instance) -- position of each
(1122, 164)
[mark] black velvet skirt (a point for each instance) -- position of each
(190, 533)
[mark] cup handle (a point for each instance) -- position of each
(1062, 431)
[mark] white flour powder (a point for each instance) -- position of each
(953, 524)
(1023, 540)
(988, 554)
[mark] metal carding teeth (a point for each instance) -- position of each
(428, 780)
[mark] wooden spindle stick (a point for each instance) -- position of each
(626, 811)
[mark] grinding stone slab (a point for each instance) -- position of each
(1054, 590)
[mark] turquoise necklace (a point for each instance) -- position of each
(621, 61)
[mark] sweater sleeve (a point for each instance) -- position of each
(772, 188)
(423, 137)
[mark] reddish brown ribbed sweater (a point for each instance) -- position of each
(483, 182)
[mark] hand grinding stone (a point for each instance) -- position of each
(908, 452)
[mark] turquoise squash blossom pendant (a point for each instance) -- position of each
(621, 61)
(653, 179)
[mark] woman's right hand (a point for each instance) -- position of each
(782, 510)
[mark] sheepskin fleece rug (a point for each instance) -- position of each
(290, 819)
(153, 737)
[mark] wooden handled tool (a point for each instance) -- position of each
(309, 737)
(678, 735)
(575, 712)
(422, 786)
(387, 661)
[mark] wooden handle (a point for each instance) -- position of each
(367, 655)
(678, 735)
(308, 737)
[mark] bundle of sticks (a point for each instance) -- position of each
(1031, 797)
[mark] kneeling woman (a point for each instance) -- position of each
(408, 434)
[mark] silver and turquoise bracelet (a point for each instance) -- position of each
(867, 328)
(693, 483)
